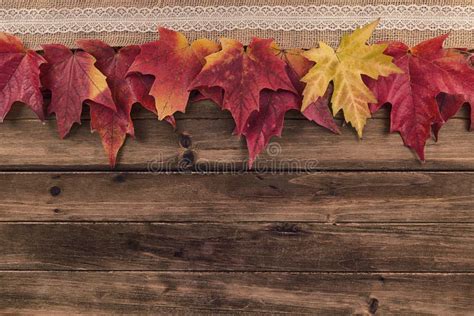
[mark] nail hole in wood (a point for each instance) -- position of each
(185, 141)
(179, 253)
(55, 191)
(133, 244)
(119, 178)
(373, 305)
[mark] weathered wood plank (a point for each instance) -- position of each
(238, 247)
(198, 110)
(331, 197)
(221, 293)
(29, 145)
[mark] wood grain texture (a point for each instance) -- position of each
(329, 197)
(197, 110)
(353, 240)
(29, 145)
(237, 247)
(236, 293)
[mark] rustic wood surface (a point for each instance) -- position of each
(329, 225)
(325, 197)
(237, 247)
(27, 144)
(56, 292)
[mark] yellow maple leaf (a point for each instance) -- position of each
(344, 68)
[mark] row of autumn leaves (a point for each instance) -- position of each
(257, 84)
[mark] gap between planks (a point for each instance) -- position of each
(227, 272)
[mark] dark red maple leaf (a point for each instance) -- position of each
(242, 74)
(19, 76)
(268, 120)
(113, 126)
(428, 70)
(449, 105)
(72, 79)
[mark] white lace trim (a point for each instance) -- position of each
(219, 18)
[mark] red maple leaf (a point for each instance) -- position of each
(242, 74)
(449, 105)
(72, 79)
(428, 70)
(113, 126)
(267, 122)
(173, 63)
(19, 76)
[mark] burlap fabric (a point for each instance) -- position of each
(287, 39)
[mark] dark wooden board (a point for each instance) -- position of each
(376, 232)
(231, 293)
(29, 145)
(237, 247)
(327, 197)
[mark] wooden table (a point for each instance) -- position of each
(333, 226)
